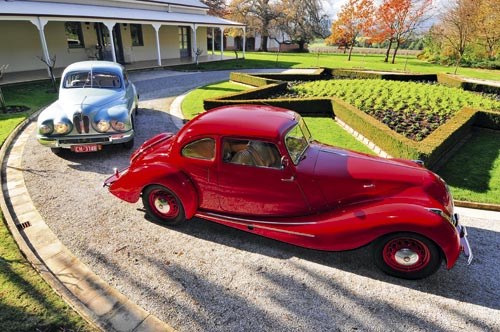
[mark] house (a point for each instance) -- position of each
(124, 31)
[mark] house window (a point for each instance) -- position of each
(74, 35)
(136, 35)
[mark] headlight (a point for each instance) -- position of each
(45, 129)
(118, 125)
(102, 126)
(61, 128)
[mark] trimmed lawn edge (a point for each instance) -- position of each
(26, 250)
(480, 206)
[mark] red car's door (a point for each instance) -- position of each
(198, 162)
(255, 185)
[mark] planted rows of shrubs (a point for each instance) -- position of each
(412, 109)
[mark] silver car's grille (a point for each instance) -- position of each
(81, 123)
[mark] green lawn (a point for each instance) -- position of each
(193, 103)
(308, 60)
(27, 302)
(474, 172)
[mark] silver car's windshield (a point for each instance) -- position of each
(297, 141)
(92, 79)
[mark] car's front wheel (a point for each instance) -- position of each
(406, 255)
(163, 205)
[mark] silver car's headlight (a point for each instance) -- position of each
(103, 126)
(45, 128)
(118, 125)
(61, 128)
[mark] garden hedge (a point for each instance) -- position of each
(457, 82)
(432, 149)
(373, 74)
(316, 107)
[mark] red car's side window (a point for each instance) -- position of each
(200, 149)
(251, 153)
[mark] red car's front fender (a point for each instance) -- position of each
(130, 183)
(364, 224)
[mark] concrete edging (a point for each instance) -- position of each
(98, 303)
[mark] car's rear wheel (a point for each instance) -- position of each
(406, 255)
(163, 205)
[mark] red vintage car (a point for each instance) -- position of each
(257, 169)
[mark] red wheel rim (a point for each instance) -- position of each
(163, 204)
(406, 254)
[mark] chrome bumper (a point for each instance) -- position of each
(464, 242)
(100, 139)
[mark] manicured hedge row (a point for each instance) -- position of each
(388, 140)
(252, 80)
(488, 119)
(260, 92)
(406, 77)
(431, 150)
(318, 74)
(437, 145)
(320, 107)
(458, 82)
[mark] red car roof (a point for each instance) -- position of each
(242, 120)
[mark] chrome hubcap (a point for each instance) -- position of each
(406, 257)
(162, 205)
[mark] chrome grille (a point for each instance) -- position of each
(81, 123)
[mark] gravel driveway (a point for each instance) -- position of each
(206, 277)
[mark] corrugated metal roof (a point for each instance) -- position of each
(192, 3)
(52, 9)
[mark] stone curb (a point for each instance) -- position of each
(98, 303)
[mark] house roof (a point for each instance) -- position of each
(119, 14)
(191, 3)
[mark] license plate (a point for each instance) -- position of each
(86, 148)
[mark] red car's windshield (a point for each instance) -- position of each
(297, 140)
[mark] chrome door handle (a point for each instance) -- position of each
(291, 179)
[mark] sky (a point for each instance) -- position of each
(332, 7)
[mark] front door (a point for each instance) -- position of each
(184, 42)
(255, 183)
(104, 43)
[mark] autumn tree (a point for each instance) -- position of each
(301, 20)
(258, 15)
(355, 18)
(459, 26)
(397, 20)
(488, 27)
(216, 7)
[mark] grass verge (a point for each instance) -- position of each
(473, 173)
(27, 303)
(403, 63)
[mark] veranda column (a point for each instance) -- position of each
(110, 26)
(221, 43)
(40, 25)
(157, 27)
(244, 40)
(195, 44)
(213, 40)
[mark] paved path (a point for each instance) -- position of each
(206, 277)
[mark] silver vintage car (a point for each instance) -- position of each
(97, 106)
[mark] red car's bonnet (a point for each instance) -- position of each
(345, 176)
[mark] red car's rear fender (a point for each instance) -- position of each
(131, 184)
